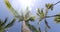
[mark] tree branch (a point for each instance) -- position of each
(51, 16)
(57, 2)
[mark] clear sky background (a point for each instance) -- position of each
(38, 4)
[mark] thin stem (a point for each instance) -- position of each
(39, 27)
(45, 25)
(45, 19)
(57, 2)
(51, 16)
(46, 12)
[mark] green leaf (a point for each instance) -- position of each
(39, 10)
(32, 27)
(8, 4)
(27, 15)
(10, 24)
(40, 13)
(3, 24)
(32, 18)
(12, 10)
(49, 6)
(57, 19)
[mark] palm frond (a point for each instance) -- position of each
(10, 24)
(32, 18)
(21, 17)
(27, 14)
(57, 18)
(3, 24)
(12, 10)
(49, 6)
(32, 27)
(40, 13)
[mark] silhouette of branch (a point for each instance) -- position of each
(51, 16)
(46, 23)
(57, 2)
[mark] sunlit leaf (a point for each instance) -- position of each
(27, 15)
(8, 4)
(40, 13)
(57, 18)
(12, 10)
(49, 6)
(31, 18)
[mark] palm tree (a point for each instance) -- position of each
(25, 18)
(26, 27)
(43, 15)
(3, 25)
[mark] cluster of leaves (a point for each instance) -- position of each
(43, 15)
(26, 17)
(49, 6)
(40, 13)
(57, 19)
(4, 25)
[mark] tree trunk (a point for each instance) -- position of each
(25, 27)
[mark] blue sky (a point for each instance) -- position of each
(38, 4)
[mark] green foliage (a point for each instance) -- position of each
(8, 4)
(49, 6)
(31, 18)
(57, 18)
(12, 10)
(32, 27)
(40, 13)
(3, 25)
(27, 17)
(10, 24)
